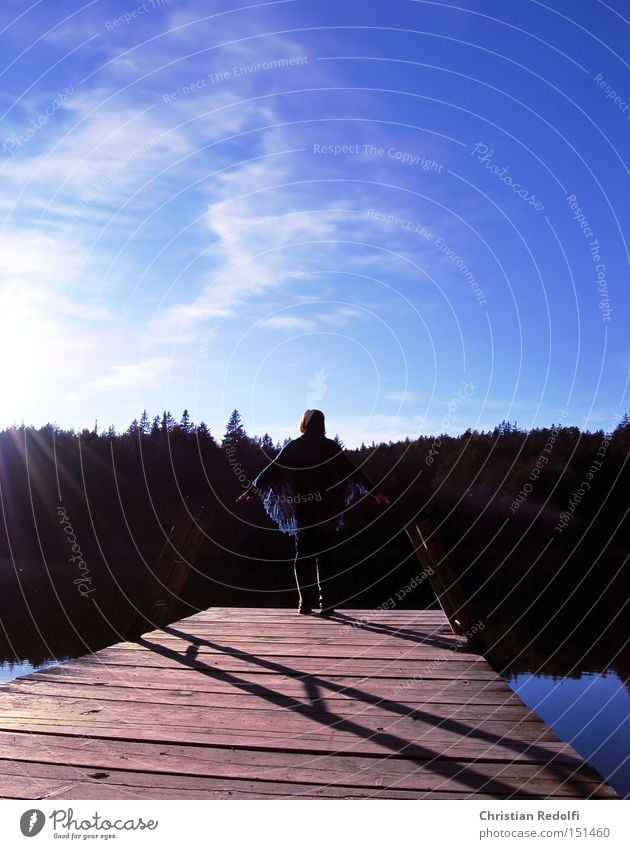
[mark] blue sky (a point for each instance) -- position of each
(408, 214)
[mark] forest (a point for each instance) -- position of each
(535, 524)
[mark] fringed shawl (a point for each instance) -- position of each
(277, 486)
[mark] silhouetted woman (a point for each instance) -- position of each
(305, 491)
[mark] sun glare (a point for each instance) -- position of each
(21, 342)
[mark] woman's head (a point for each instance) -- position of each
(313, 422)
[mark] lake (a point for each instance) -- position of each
(9, 671)
(591, 712)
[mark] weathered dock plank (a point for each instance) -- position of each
(257, 703)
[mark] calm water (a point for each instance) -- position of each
(8, 671)
(591, 712)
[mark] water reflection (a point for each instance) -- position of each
(578, 683)
(591, 712)
(44, 619)
(9, 671)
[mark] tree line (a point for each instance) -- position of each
(498, 498)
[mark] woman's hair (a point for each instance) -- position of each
(313, 422)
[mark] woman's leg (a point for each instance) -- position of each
(325, 566)
(306, 569)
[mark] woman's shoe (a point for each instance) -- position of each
(304, 610)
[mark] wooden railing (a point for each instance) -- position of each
(435, 564)
(166, 582)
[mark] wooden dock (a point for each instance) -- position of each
(261, 704)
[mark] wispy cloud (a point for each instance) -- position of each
(335, 318)
(288, 323)
(149, 372)
(258, 246)
(402, 397)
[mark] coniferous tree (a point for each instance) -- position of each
(203, 431)
(267, 445)
(234, 432)
(185, 424)
(624, 424)
(621, 436)
(168, 423)
(144, 423)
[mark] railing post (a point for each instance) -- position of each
(171, 570)
(435, 563)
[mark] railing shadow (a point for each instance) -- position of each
(396, 745)
(429, 638)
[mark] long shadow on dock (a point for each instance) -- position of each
(426, 757)
(418, 636)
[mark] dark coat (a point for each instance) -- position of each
(309, 482)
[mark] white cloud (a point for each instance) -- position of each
(403, 397)
(93, 145)
(288, 322)
(341, 317)
(335, 318)
(259, 245)
(49, 322)
(43, 284)
(149, 372)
